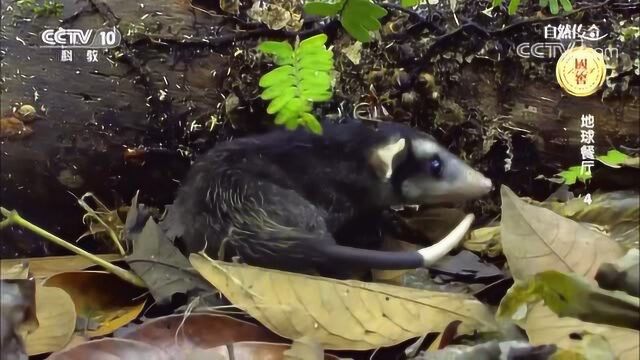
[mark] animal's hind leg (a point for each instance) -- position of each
(274, 227)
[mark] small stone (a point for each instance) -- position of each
(26, 113)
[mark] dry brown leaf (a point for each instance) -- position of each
(110, 349)
(179, 334)
(543, 326)
(102, 299)
(56, 318)
(248, 350)
(535, 239)
(47, 266)
(340, 315)
(191, 337)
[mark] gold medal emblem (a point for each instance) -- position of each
(581, 71)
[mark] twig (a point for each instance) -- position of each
(13, 218)
(535, 20)
(422, 22)
(412, 13)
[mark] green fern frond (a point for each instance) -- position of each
(358, 17)
(302, 78)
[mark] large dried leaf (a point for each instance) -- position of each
(56, 318)
(246, 350)
(536, 239)
(179, 334)
(615, 213)
(605, 209)
(103, 301)
(543, 326)
(116, 348)
(340, 314)
(110, 349)
(189, 337)
(47, 266)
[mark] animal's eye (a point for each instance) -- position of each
(435, 166)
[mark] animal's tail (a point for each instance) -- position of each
(377, 259)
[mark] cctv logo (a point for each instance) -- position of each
(67, 37)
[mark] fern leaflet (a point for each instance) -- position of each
(303, 76)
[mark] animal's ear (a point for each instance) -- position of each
(386, 157)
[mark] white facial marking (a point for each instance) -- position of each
(385, 156)
(425, 148)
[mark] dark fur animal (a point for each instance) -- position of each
(284, 199)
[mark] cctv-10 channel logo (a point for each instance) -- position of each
(563, 37)
(81, 39)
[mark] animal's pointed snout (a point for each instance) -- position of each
(477, 180)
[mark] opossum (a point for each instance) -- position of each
(281, 200)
